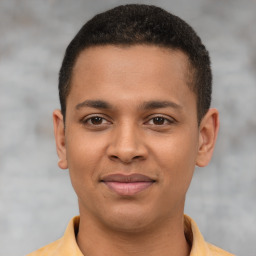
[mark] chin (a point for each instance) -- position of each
(128, 219)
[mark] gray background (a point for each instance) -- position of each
(36, 198)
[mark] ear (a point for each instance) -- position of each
(59, 132)
(208, 132)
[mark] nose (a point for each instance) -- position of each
(127, 145)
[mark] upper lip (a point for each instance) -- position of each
(136, 177)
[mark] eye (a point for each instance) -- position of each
(95, 121)
(160, 120)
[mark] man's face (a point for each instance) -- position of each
(131, 137)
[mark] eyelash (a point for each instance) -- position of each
(165, 121)
(89, 119)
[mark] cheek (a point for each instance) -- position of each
(84, 155)
(176, 157)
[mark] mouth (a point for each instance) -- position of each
(127, 185)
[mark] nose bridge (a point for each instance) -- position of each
(127, 143)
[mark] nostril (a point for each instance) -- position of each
(125, 159)
(126, 153)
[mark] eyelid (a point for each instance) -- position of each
(170, 119)
(85, 119)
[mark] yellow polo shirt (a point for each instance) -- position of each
(67, 246)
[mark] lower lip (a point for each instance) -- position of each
(129, 188)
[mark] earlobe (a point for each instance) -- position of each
(59, 133)
(208, 132)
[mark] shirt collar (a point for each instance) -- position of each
(194, 237)
(68, 244)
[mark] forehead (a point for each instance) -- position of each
(122, 58)
(141, 69)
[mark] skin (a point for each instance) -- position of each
(161, 141)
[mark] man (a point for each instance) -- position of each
(135, 119)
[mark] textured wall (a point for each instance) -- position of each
(36, 198)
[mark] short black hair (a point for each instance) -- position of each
(136, 24)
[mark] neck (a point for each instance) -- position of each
(165, 240)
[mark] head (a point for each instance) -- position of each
(142, 25)
(134, 85)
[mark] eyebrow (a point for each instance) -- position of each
(94, 104)
(149, 105)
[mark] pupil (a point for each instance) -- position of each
(158, 120)
(96, 120)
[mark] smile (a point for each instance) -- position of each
(127, 185)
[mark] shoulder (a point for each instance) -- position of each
(199, 247)
(216, 251)
(66, 245)
(48, 250)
